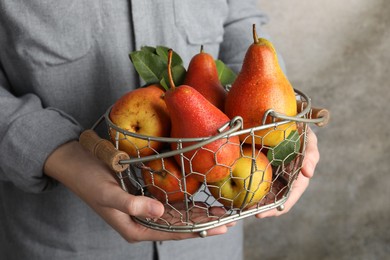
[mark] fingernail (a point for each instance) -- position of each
(155, 209)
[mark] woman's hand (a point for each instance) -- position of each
(94, 183)
(309, 164)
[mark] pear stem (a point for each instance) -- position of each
(255, 37)
(170, 77)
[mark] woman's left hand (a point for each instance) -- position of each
(309, 164)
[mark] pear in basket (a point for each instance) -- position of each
(241, 190)
(192, 115)
(141, 111)
(202, 75)
(261, 85)
(164, 180)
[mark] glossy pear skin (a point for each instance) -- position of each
(165, 182)
(262, 85)
(141, 111)
(237, 190)
(192, 115)
(202, 75)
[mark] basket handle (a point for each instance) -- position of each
(104, 150)
(316, 113)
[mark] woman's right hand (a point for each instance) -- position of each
(93, 182)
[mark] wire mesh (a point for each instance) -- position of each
(166, 169)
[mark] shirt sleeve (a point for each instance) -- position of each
(28, 134)
(238, 32)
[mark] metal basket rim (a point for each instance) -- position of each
(198, 227)
(231, 128)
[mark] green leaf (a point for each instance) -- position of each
(162, 51)
(286, 151)
(178, 74)
(148, 65)
(149, 49)
(225, 74)
(164, 84)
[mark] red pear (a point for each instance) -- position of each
(192, 115)
(165, 181)
(261, 85)
(202, 75)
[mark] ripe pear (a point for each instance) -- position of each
(165, 182)
(192, 115)
(239, 190)
(141, 111)
(202, 75)
(262, 85)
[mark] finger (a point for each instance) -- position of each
(162, 236)
(135, 232)
(312, 155)
(297, 190)
(112, 196)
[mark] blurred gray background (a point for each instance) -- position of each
(338, 53)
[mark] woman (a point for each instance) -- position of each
(62, 65)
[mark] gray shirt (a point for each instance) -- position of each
(62, 64)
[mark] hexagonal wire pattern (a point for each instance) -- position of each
(197, 212)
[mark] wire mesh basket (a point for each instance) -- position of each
(192, 203)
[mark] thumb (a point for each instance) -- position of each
(141, 206)
(312, 156)
(138, 206)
